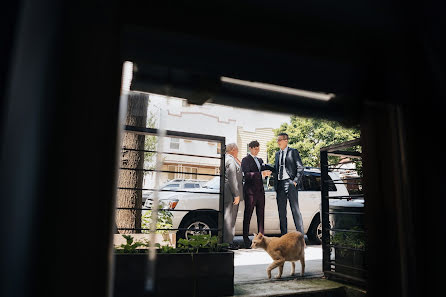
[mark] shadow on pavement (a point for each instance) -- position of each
(257, 272)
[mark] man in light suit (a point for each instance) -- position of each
(233, 193)
(288, 175)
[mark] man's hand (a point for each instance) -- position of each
(236, 200)
(295, 184)
(266, 173)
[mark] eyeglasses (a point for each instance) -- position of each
(280, 139)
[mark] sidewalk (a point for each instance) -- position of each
(250, 264)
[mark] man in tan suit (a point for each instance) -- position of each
(233, 193)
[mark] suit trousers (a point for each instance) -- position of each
(230, 215)
(251, 202)
(287, 191)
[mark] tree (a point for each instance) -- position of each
(132, 180)
(309, 136)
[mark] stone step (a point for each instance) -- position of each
(316, 287)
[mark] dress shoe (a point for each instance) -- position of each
(233, 246)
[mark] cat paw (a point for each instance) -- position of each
(278, 276)
(269, 275)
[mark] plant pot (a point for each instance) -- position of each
(342, 217)
(182, 274)
(201, 274)
(355, 259)
(130, 272)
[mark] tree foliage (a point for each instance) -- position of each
(309, 136)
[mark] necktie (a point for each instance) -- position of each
(281, 161)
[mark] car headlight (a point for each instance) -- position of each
(169, 203)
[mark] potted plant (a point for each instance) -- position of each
(198, 266)
(349, 250)
(130, 267)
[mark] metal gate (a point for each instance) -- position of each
(220, 141)
(343, 231)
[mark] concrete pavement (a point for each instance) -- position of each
(250, 264)
(306, 287)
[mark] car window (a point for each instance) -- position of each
(197, 185)
(189, 186)
(331, 185)
(171, 186)
(312, 182)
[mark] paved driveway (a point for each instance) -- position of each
(250, 264)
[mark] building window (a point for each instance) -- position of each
(171, 175)
(191, 172)
(174, 143)
(182, 172)
(179, 169)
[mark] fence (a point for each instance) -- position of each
(220, 141)
(343, 232)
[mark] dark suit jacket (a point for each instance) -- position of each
(293, 166)
(253, 177)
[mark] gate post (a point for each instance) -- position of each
(222, 192)
(324, 213)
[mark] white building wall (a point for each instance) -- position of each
(208, 119)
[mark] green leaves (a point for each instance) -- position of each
(309, 136)
(150, 141)
(195, 244)
(349, 239)
(203, 243)
(128, 238)
(131, 247)
(164, 220)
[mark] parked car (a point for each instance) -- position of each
(174, 185)
(201, 209)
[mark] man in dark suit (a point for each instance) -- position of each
(253, 170)
(288, 175)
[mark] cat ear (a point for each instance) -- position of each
(255, 234)
(260, 235)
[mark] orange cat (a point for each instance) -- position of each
(289, 247)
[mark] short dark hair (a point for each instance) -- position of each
(283, 134)
(253, 144)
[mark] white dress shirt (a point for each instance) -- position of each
(285, 173)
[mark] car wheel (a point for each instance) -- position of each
(315, 231)
(198, 225)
